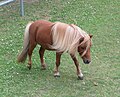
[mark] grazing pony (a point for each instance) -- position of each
(59, 37)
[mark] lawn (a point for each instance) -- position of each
(101, 18)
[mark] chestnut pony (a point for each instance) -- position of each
(59, 37)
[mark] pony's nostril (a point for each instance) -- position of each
(87, 61)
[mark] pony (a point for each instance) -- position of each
(59, 37)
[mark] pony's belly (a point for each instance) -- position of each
(46, 46)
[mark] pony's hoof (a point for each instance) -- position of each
(43, 68)
(57, 74)
(29, 67)
(80, 78)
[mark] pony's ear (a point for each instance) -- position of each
(90, 35)
(81, 39)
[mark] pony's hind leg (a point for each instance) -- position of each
(41, 53)
(56, 70)
(30, 50)
(79, 73)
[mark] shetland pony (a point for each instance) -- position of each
(59, 37)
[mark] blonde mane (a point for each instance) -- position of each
(66, 37)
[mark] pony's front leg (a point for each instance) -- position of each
(41, 53)
(56, 70)
(79, 73)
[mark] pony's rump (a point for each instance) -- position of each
(23, 55)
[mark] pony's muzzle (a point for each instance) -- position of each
(86, 61)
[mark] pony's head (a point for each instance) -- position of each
(84, 49)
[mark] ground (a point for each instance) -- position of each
(101, 78)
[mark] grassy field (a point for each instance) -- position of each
(101, 78)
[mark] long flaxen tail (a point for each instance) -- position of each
(23, 55)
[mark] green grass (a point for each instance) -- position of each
(101, 78)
